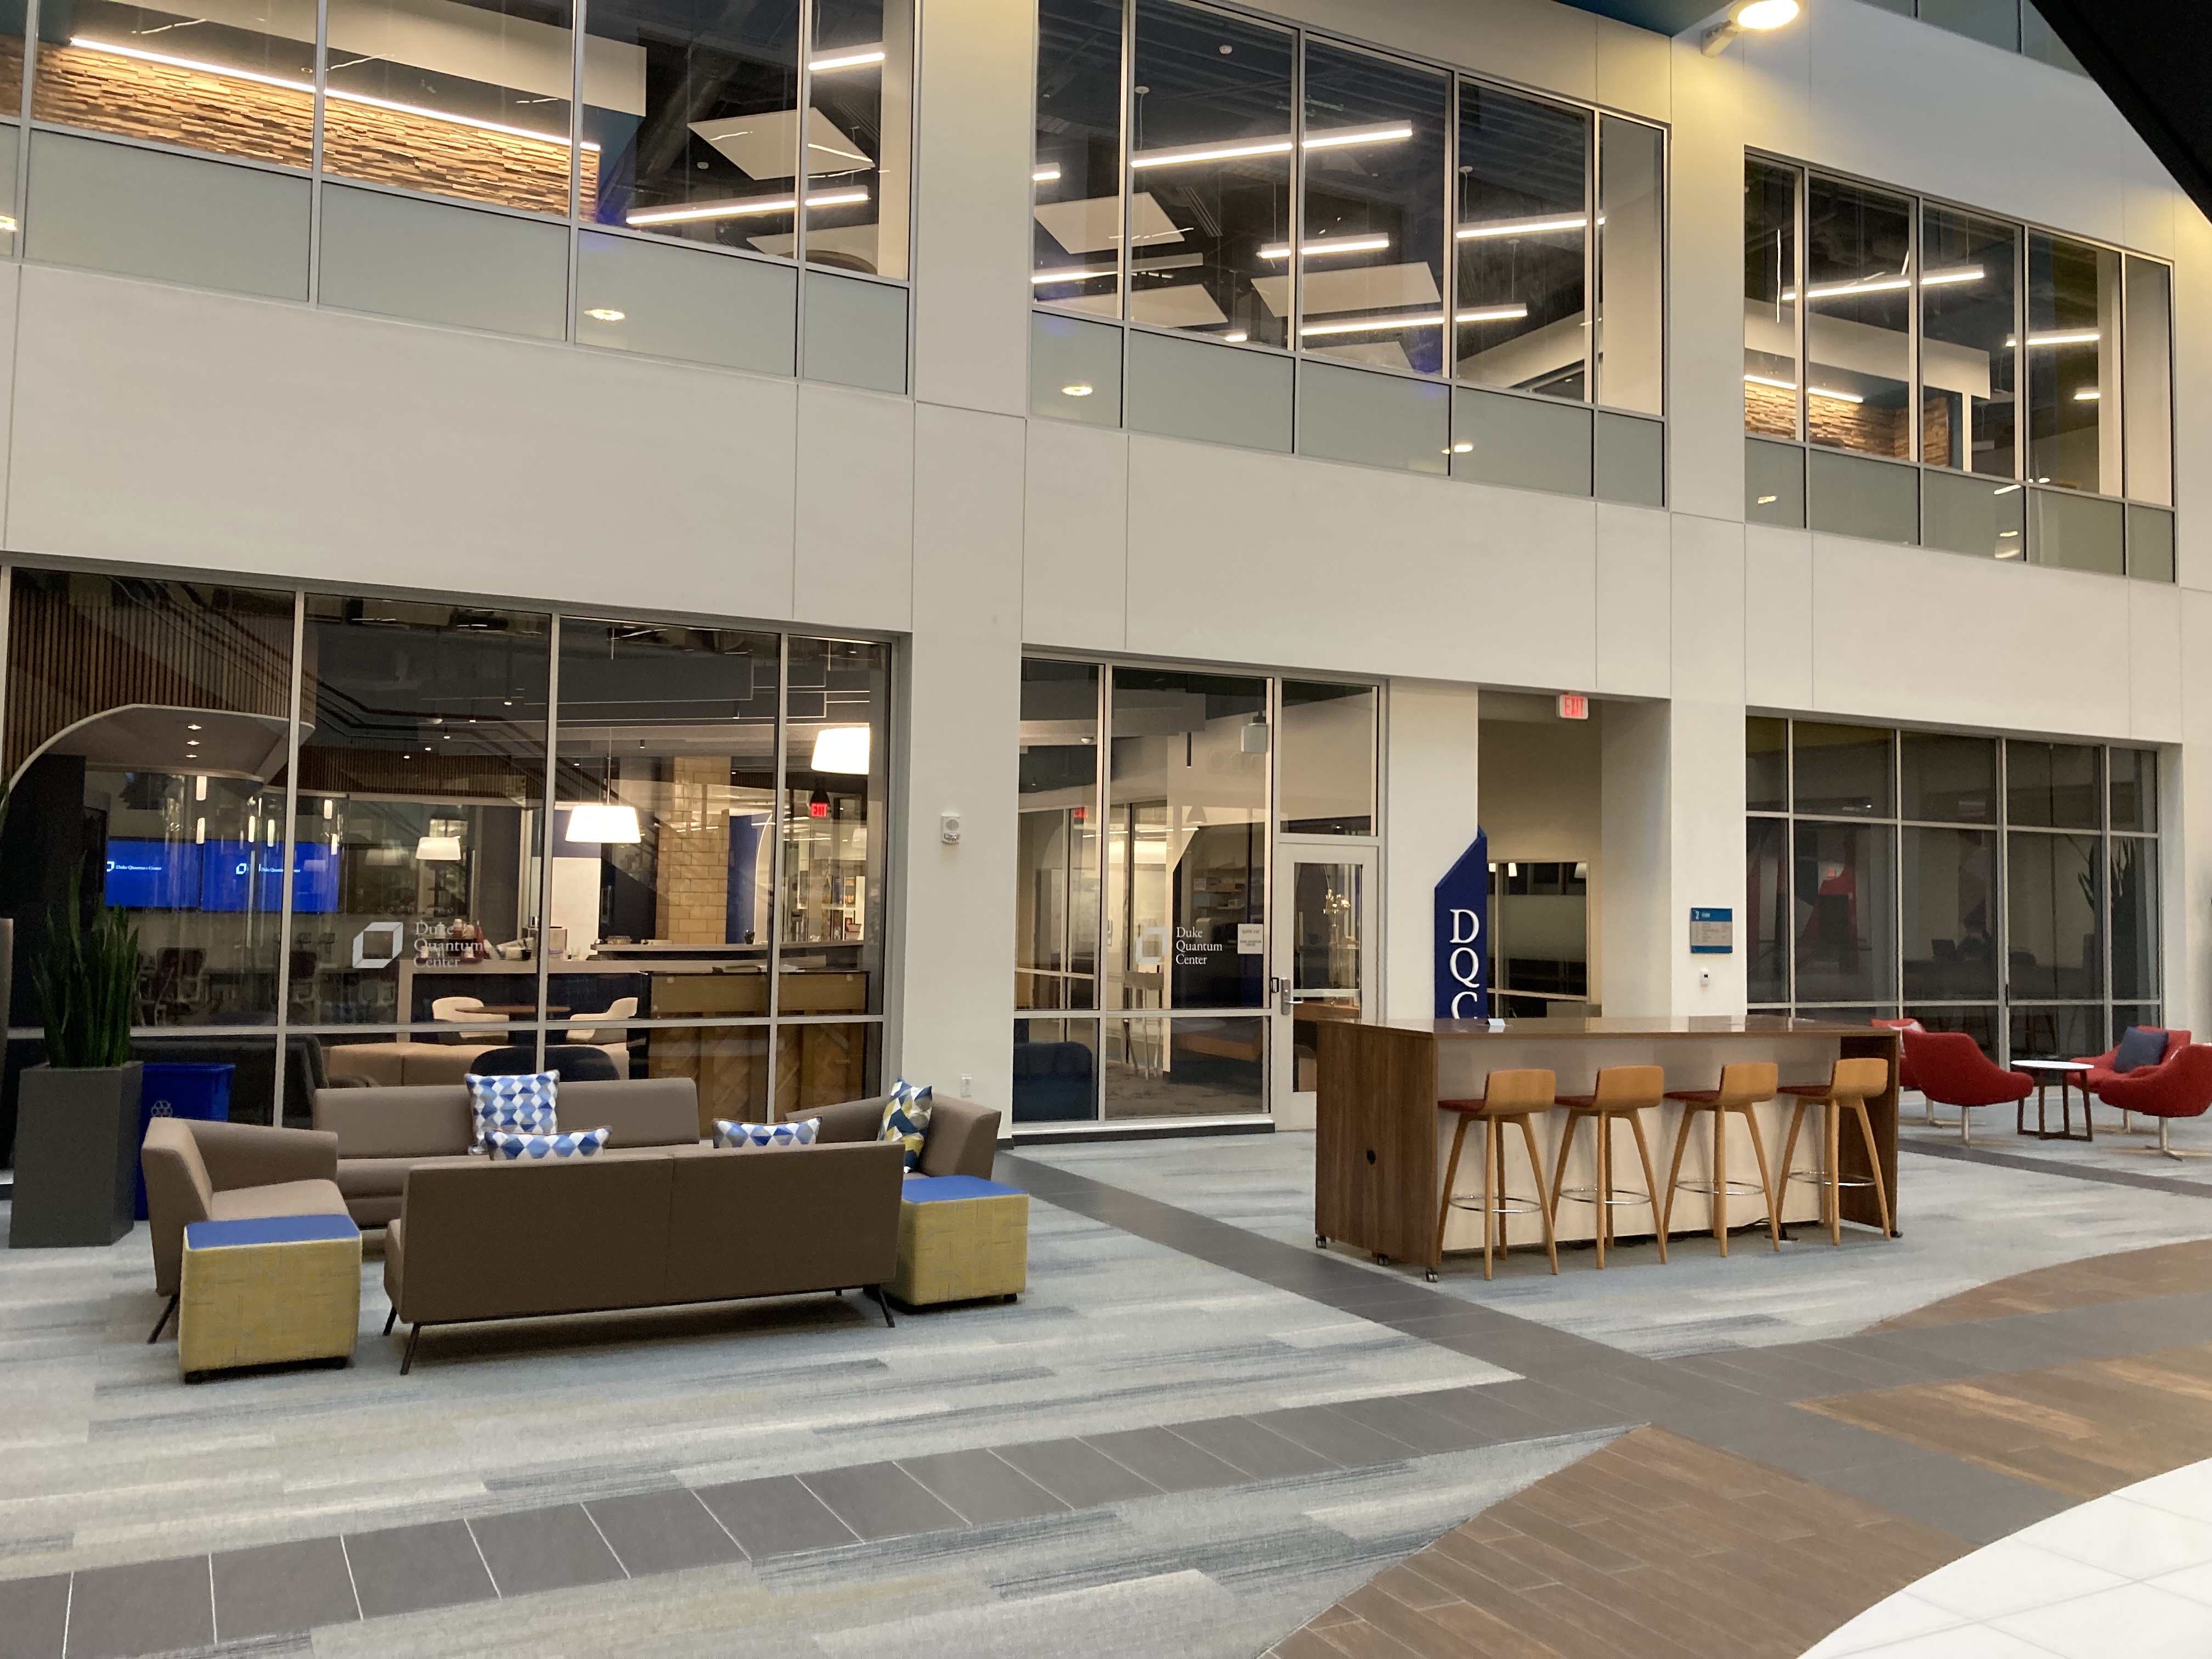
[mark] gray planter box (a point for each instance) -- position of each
(76, 1156)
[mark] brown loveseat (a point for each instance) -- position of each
(479, 1238)
(228, 1172)
(382, 1133)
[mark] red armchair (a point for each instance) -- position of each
(2181, 1085)
(2100, 1065)
(1904, 1077)
(1952, 1071)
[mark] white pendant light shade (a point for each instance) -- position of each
(439, 849)
(842, 749)
(603, 821)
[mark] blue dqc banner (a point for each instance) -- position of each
(1462, 944)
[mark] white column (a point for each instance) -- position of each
(1429, 817)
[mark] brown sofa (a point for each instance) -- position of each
(382, 1133)
(228, 1172)
(478, 1239)
(963, 1138)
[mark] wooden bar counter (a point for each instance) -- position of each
(1382, 1144)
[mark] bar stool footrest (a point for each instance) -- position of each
(1506, 1204)
(1733, 1188)
(1589, 1195)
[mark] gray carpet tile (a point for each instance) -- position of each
(405, 1569)
(981, 1486)
(279, 1590)
(775, 1517)
(881, 1500)
(662, 1532)
(543, 1549)
(1258, 1452)
(150, 1606)
(1170, 1463)
(1079, 1475)
(33, 1613)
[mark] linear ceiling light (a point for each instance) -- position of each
(84, 44)
(1886, 285)
(1519, 227)
(1045, 176)
(2088, 394)
(1791, 385)
(858, 57)
(1337, 139)
(1434, 319)
(743, 206)
(2061, 337)
(1069, 274)
(1328, 245)
(1492, 315)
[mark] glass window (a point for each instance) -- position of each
(148, 737)
(1845, 910)
(859, 124)
(2148, 384)
(2039, 41)
(636, 295)
(1542, 941)
(2056, 894)
(1961, 513)
(1056, 874)
(691, 122)
(12, 18)
(1993, 22)
(2078, 532)
(1075, 370)
(1328, 764)
(2150, 544)
(1858, 261)
(821, 1064)
(1631, 232)
(1950, 914)
(1949, 780)
(1969, 350)
(1522, 219)
(835, 816)
(1205, 1067)
(663, 834)
(856, 333)
(1210, 153)
(1766, 764)
(1979, 1024)
(239, 83)
(399, 257)
(1190, 389)
(727, 1064)
(1371, 263)
(1851, 495)
(1077, 168)
(1055, 1071)
(2135, 917)
(1628, 459)
(2073, 352)
(2051, 1032)
(1766, 913)
(1519, 442)
(2134, 788)
(422, 774)
(1770, 298)
(2052, 785)
(1377, 420)
(1843, 771)
(1773, 483)
(1186, 841)
(474, 103)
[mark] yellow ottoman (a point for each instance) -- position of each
(960, 1239)
(260, 1292)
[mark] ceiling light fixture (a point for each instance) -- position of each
(1791, 385)
(1512, 313)
(1758, 15)
(1393, 132)
(194, 726)
(1045, 176)
(842, 749)
(606, 314)
(1886, 285)
(744, 206)
(858, 57)
(2061, 337)
(1078, 391)
(1070, 273)
(1328, 245)
(1237, 337)
(2088, 394)
(605, 821)
(1462, 447)
(1519, 227)
(438, 849)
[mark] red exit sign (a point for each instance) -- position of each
(1573, 707)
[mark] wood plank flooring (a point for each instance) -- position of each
(1656, 1546)
(2125, 1276)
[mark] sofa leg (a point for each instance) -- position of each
(883, 1301)
(163, 1324)
(407, 1359)
(389, 1319)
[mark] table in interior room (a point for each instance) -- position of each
(2069, 1074)
(1381, 1143)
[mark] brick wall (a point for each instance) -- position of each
(692, 881)
(1863, 429)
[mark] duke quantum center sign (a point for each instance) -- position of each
(1462, 944)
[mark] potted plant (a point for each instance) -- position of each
(76, 1122)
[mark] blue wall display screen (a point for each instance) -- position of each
(160, 875)
(153, 875)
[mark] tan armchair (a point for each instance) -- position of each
(228, 1172)
(963, 1137)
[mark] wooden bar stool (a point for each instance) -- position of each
(1847, 1089)
(1744, 1085)
(1623, 1091)
(1507, 1097)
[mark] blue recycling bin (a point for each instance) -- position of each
(179, 1089)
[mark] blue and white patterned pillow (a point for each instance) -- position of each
(906, 1118)
(517, 1105)
(582, 1143)
(765, 1137)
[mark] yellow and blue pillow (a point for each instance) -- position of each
(521, 1105)
(906, 1119)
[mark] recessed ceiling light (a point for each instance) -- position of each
(1767, 14)
(1076, 391)
(193, 726)
(192, 743)
(1767, 501)
(1462, 447)
(606, 314)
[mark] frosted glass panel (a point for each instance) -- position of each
(1189, 389)
(144, 213)
(1381, 419)
(1075, 370)
(1523, 441)
(1973, 516)
(856, 333)
(1877, 500)
(704, 308)
(1628, 461)
(402, 257)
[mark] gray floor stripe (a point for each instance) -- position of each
(2047, 1166)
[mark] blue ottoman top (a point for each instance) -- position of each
(268, 1230)
(939, 1189)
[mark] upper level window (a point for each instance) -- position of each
(1225, 176)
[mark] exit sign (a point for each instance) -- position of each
(1573, 707)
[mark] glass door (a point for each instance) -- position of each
(1323, 969)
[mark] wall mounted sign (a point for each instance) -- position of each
(1462, 943)
(1712, 933)
(1573, 706)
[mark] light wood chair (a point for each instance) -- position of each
(1847, 1089)
(1623, 1092)
(1745, 1086)
(1507, 1097)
